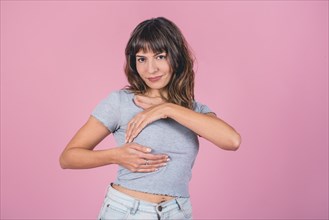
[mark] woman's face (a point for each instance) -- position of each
(154, 69)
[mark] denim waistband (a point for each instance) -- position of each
(135, 204)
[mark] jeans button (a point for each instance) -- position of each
(160, 208)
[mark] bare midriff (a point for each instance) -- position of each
(154, 198)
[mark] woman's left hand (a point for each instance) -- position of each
(145, 102)
(154, 109)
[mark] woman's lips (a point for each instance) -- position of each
(154, 79)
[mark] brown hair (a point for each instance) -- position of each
(161, 35)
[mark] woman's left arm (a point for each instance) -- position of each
(208, 125)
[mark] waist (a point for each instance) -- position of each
(148, 197)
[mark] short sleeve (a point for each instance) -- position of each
(108, 111)
(198, 107)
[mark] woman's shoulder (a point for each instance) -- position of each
(120, 96)
(201, 108)
(121, 93)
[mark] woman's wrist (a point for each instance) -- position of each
(112, 155)
(169, 110)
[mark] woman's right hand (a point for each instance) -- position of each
(138, 158)
(80, 153)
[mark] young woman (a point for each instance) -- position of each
(155, 121)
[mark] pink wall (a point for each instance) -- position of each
(262, 66)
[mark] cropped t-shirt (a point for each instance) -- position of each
(164, 136)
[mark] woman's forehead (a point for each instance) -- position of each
(148, 47)
(149, 52)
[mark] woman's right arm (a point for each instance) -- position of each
(80, 154)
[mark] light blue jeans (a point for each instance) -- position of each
(118, 205)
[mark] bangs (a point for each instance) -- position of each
(149, 40)
(160, 35)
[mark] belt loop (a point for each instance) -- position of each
(107, 190)
(134, 209)
(179, 206)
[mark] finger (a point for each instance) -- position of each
(152, 159)
(130, 128)
(142, 149)
(139, 102)
(143, 105)
(153, 164)
(156, 157)
(136, 130)
(148, 170)
(156, 162)
(128, 132)
(143, 162)
(149, 101)
(151, 167)
(143, 100)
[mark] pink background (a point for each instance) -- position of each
(262, 66)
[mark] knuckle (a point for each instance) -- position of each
(135, 166)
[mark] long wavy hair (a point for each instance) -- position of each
(162, 35)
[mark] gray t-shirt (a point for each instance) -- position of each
(164, 136)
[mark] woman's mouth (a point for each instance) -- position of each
(154, 79)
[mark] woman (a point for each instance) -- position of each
(155, 122)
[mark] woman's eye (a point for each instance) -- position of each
(141, 59)
(161, 57)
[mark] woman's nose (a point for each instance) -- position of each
(152, 67)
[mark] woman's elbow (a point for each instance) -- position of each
(231, 144)
(63, 161)
(236, 141)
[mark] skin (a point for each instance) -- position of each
(80, 154)
(208, 126)
(156, 72)
(150, 65)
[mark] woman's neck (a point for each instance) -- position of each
(156, 93)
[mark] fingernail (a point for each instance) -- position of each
(164, 164)
(168, 159)
(156, 169)
(148, 149)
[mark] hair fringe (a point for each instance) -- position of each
(162, 35)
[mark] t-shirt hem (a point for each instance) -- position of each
(151, 192)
